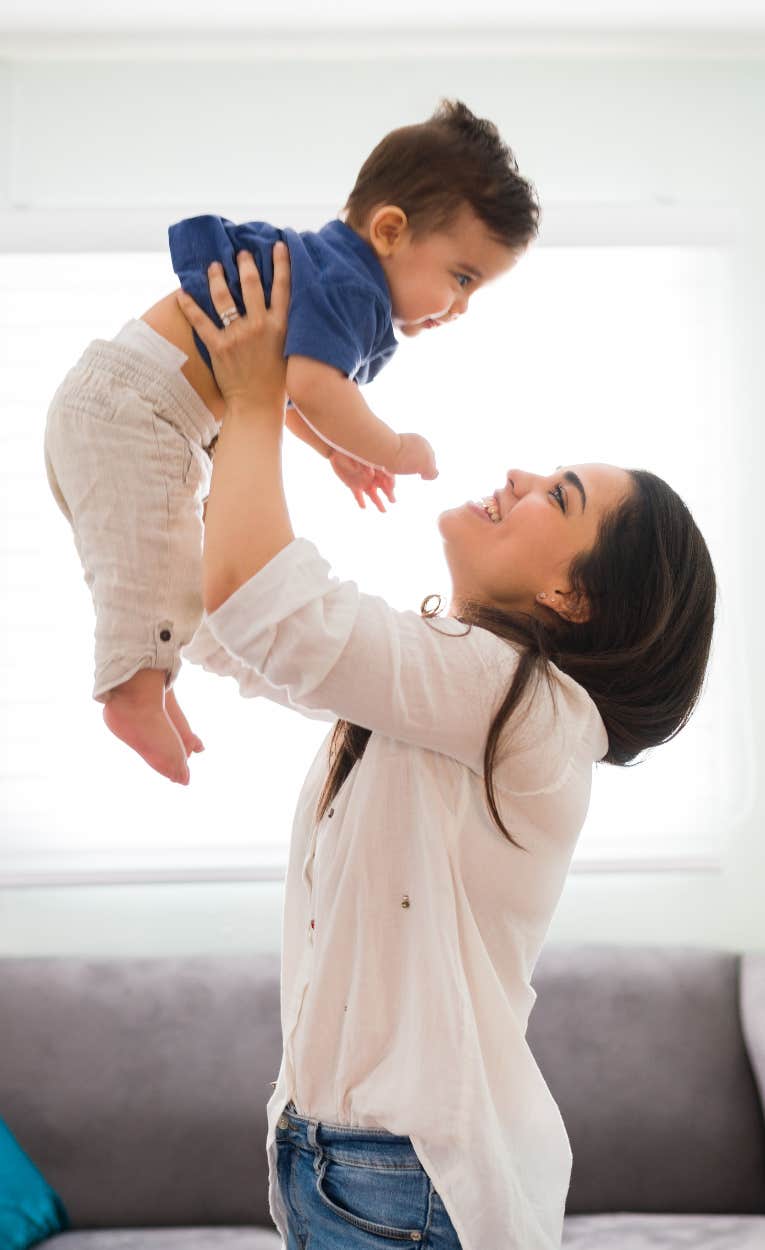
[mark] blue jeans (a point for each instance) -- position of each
(355, 1189)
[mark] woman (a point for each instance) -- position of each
(433, 836)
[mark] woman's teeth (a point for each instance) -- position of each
(489, 504)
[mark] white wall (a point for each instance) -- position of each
(101, 144)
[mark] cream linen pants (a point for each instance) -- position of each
(126, 457)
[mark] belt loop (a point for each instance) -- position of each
(319, 1163)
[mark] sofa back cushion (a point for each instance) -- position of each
(139, 1086)
(643, 1051)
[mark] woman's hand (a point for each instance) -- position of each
(248, 354)
(362, 479)
(247, 522)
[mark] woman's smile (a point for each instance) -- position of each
(488, 508)
(479, 509)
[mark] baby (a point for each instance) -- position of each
(438, 210)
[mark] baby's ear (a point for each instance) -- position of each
(387, 228)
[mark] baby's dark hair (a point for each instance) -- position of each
(434, 168)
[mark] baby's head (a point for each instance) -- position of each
(446, 211)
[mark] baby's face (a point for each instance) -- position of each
(433, 277)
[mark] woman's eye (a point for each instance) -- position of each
(559, 497)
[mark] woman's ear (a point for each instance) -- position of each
(387, 229)
(569, 604)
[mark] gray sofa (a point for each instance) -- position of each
(139, 1089)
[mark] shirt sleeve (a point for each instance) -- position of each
(428, 683)
(336, 324)
(205, 650)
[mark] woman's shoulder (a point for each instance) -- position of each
(555, 723)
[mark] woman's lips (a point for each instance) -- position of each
(476, 507)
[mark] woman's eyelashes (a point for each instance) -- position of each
(559, 495)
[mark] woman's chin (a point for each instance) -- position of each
(445, 519)
(456, 515)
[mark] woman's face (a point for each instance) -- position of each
(514, 550)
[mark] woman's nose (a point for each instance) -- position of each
(518, 481)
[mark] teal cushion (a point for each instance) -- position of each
(30, 1211)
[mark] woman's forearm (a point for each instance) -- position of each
(247, 518)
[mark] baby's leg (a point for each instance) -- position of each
(133, 485)
(135, 711)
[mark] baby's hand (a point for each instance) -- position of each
(416, 456)
(362, 479)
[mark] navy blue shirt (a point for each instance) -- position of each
(340, 308)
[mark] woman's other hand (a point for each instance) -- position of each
(248, 353)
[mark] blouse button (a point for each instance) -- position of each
(330, 813)
(313, 924)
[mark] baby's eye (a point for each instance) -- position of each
(463, 279)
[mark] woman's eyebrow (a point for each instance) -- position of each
(575, 480)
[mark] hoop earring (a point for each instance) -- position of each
(425, 607)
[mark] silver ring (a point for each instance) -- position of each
(228, 316)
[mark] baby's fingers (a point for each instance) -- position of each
(376, 500)
(386, 483)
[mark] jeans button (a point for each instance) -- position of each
(416, 1236)
(283, 1122)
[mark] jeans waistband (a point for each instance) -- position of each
(313, 1133)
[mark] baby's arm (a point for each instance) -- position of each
(358, 477)
(335, 409)
(295, 423)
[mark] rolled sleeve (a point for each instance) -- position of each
(209, 654)
(326, 645)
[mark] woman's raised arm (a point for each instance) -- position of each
(247, 521)
(273, 605)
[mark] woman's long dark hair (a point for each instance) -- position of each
(641, 655)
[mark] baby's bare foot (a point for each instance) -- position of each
(190, 740)
(135, 714)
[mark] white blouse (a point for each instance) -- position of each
(411, 924)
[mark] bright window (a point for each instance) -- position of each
(617, 354)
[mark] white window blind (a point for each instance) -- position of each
(616, 354)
